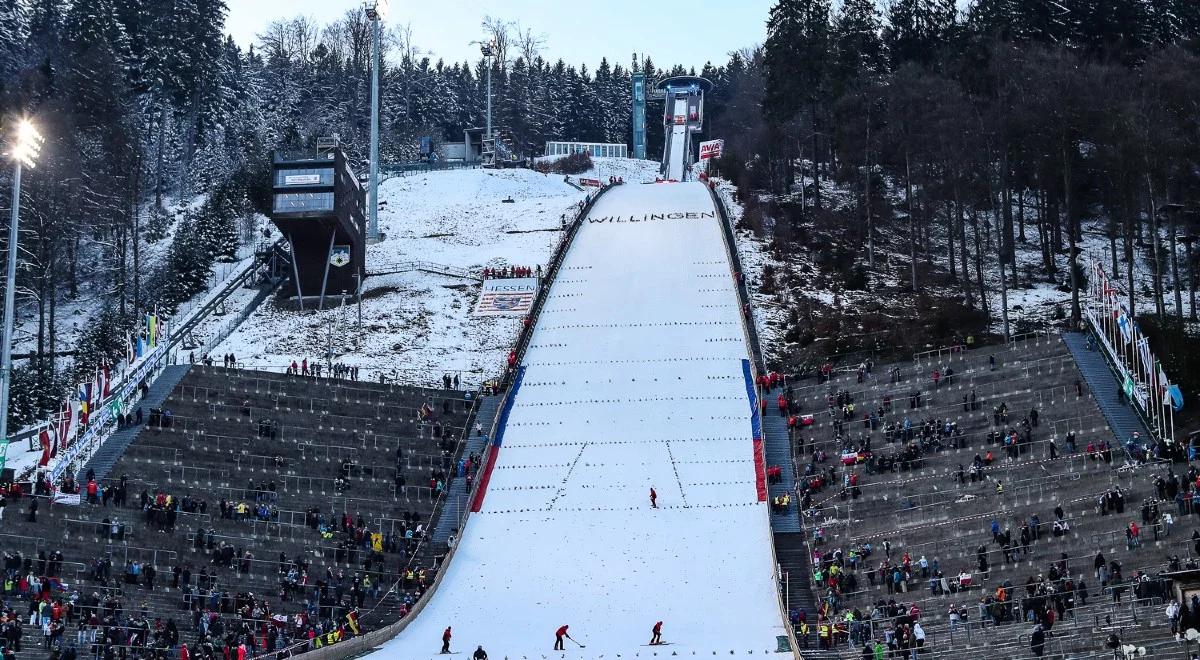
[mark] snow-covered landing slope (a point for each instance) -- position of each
(633, 380)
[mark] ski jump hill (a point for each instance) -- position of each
(636, 377)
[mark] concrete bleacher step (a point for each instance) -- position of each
(112, 449)
(1041, 374)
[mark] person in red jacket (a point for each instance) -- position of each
(657, 634)
(653, 498)
(783, 405)
(558, 638)
(446, 640)
(183, 652)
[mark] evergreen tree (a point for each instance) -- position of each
(797, 52)
(920, 30)
(857, 41)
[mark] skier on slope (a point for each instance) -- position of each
(657, 634)
(653, 498)
(558, 638)
(446, 640)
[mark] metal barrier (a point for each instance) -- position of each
(949, 351)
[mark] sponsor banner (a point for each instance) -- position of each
(595, 183)
(302, 180)
(711, 149)
(507, 297)
(71, 499)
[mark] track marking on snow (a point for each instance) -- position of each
(562, 490)
(646, 399)
(599, 509)
(641, 361)
(678, 481)
(649, 441)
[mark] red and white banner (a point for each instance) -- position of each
(711, 149)
(595, 183)
(507, 297)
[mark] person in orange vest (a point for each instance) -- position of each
(558, 638)
(446, 640)
(657, 634)
(653, 498)
(783, 405)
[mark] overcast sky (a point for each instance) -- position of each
(688, 33)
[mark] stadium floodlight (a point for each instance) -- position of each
(377, 10)
(27, 146)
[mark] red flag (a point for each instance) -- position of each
(107, 382)
(44, 437)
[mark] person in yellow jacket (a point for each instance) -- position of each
(803, 634)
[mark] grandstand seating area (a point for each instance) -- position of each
(929, 509)
(295, 474)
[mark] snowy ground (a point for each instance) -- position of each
(417, 325)
(770, 317)
(633, 380)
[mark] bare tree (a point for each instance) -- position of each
(499, 34)
(529, 44)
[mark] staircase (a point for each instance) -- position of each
(457, 495)
(791, 552)
(777, 446)
(1105, 389)
(108, 453)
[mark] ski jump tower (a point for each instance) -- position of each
(683, 115)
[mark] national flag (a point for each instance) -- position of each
(152, 327)
(141, 346)
(85, 401)
(1143, 346)
(107, 383)
(1123, 323)
(66, 427)
(130, 349)
(1174, 397)
(44, 438)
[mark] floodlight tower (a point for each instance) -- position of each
(489, 52)
(27, 144)
(376, 11)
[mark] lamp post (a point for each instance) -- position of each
(376, 11)
(27, 144)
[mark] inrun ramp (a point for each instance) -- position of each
(636, 377)
(677, 142)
